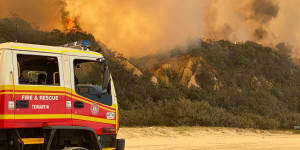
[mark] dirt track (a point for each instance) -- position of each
(202, 138)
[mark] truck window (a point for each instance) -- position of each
(38, 70)
(90, 79)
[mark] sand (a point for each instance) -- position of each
(207, 138)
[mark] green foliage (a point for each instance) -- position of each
(258, 89)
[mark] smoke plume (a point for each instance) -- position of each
(43, 14)
(141, 27)
(259, 13)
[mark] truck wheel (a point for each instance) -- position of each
(74, 148)
(120, 144)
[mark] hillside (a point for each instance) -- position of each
(256, 84)
(213, 83)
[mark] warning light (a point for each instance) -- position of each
(83, 44)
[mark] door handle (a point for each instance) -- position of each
(78, 104)
(21, 104)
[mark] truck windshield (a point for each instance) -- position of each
(91, 80)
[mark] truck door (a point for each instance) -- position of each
(92, 99)
(39, 87)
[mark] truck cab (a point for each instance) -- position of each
(56, 97)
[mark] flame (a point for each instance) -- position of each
(70, 24)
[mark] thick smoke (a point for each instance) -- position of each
(265, 21)
(43, 14)
(141, 27)
(260, 14)
(250, 19)
(263, 11)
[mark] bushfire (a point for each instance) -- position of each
(70, 24)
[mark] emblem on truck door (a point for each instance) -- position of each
(110, 115)
(94, 109)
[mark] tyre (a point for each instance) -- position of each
(120, 144)
(74, 148)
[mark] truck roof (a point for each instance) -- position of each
(48, 49)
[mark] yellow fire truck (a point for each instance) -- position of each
(56, 97)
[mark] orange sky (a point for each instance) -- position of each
(141, 27)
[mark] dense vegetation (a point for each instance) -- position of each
(259, 89)
(259, 84)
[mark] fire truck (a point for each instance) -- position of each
(56, 98)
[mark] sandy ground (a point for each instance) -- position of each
(205, 138)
